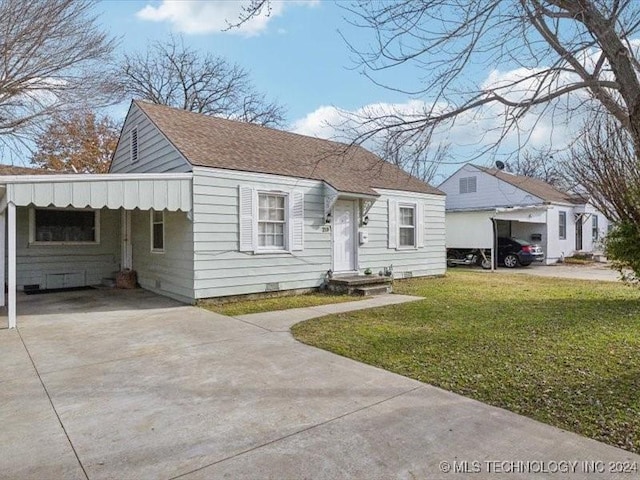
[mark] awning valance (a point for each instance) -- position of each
(168, 191)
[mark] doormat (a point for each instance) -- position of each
(57, 290)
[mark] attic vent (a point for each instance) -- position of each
(134, 145)
(468, 185)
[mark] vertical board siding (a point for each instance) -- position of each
(169, 273)
(155, 152)
(428, 260)
(96, 262)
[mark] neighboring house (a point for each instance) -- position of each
(206, 207)
(485, 203)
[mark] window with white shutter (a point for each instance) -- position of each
(271, 221)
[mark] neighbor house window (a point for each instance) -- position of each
(157, 231)
(594, 228)
(468, 185)
(562, 225)
(64, 226)
(271, 221)
(407, 226)
(133, 145)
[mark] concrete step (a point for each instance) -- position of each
(372, 290)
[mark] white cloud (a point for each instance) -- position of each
(213, 16)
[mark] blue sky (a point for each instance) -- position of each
(297, 56)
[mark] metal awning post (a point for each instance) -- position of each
(11, 257)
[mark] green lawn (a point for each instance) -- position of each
(278, 303)
(564, 352)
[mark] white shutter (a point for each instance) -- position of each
(420, 224)
(247, 223)
(393, 223)
(296, 220)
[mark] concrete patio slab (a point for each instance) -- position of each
(168, 391)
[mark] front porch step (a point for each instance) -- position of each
(372, 290)
(361, 284)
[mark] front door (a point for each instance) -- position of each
(344, 241)
(579, 233)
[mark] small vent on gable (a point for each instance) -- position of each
(134, 145)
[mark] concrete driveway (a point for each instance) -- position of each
(107, 385)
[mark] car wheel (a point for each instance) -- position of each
(511, 261)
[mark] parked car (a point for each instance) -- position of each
(513, 252)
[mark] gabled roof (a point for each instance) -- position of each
(207, 141)
(536, 187)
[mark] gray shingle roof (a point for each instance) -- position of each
(207, 141)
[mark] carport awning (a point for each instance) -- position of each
(165, 191)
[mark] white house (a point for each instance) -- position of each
(205, 207)
(485, 203)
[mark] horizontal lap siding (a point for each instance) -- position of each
(35, 262)
(169, 273)
(429, 260)
(222, 270)
(155, 152)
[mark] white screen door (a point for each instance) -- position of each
(344, 245)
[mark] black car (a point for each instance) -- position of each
(513, 252)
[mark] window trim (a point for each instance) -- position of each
(595, 228)
(32, 226)
(151, 231)
(414, 207)
(286, 248)
(562, 225)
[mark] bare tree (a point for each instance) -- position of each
(172, 74)
(605, 164)
(564, 55)
(420, 159)
(52, 58)
(541, 165)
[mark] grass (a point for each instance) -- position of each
(244, 307)
(564, 352)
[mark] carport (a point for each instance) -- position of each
(118, 192)
(480, 229)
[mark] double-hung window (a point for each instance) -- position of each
(407, 226)
(594, 228)
(157, 231)
(562, 225)
(271, 221)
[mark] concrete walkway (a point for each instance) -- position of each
(159, 390)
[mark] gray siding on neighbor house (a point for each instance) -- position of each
(89, 263)
(155, 152)
(169, 273)
(427, 260)
(220, 269)
(490, 192)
